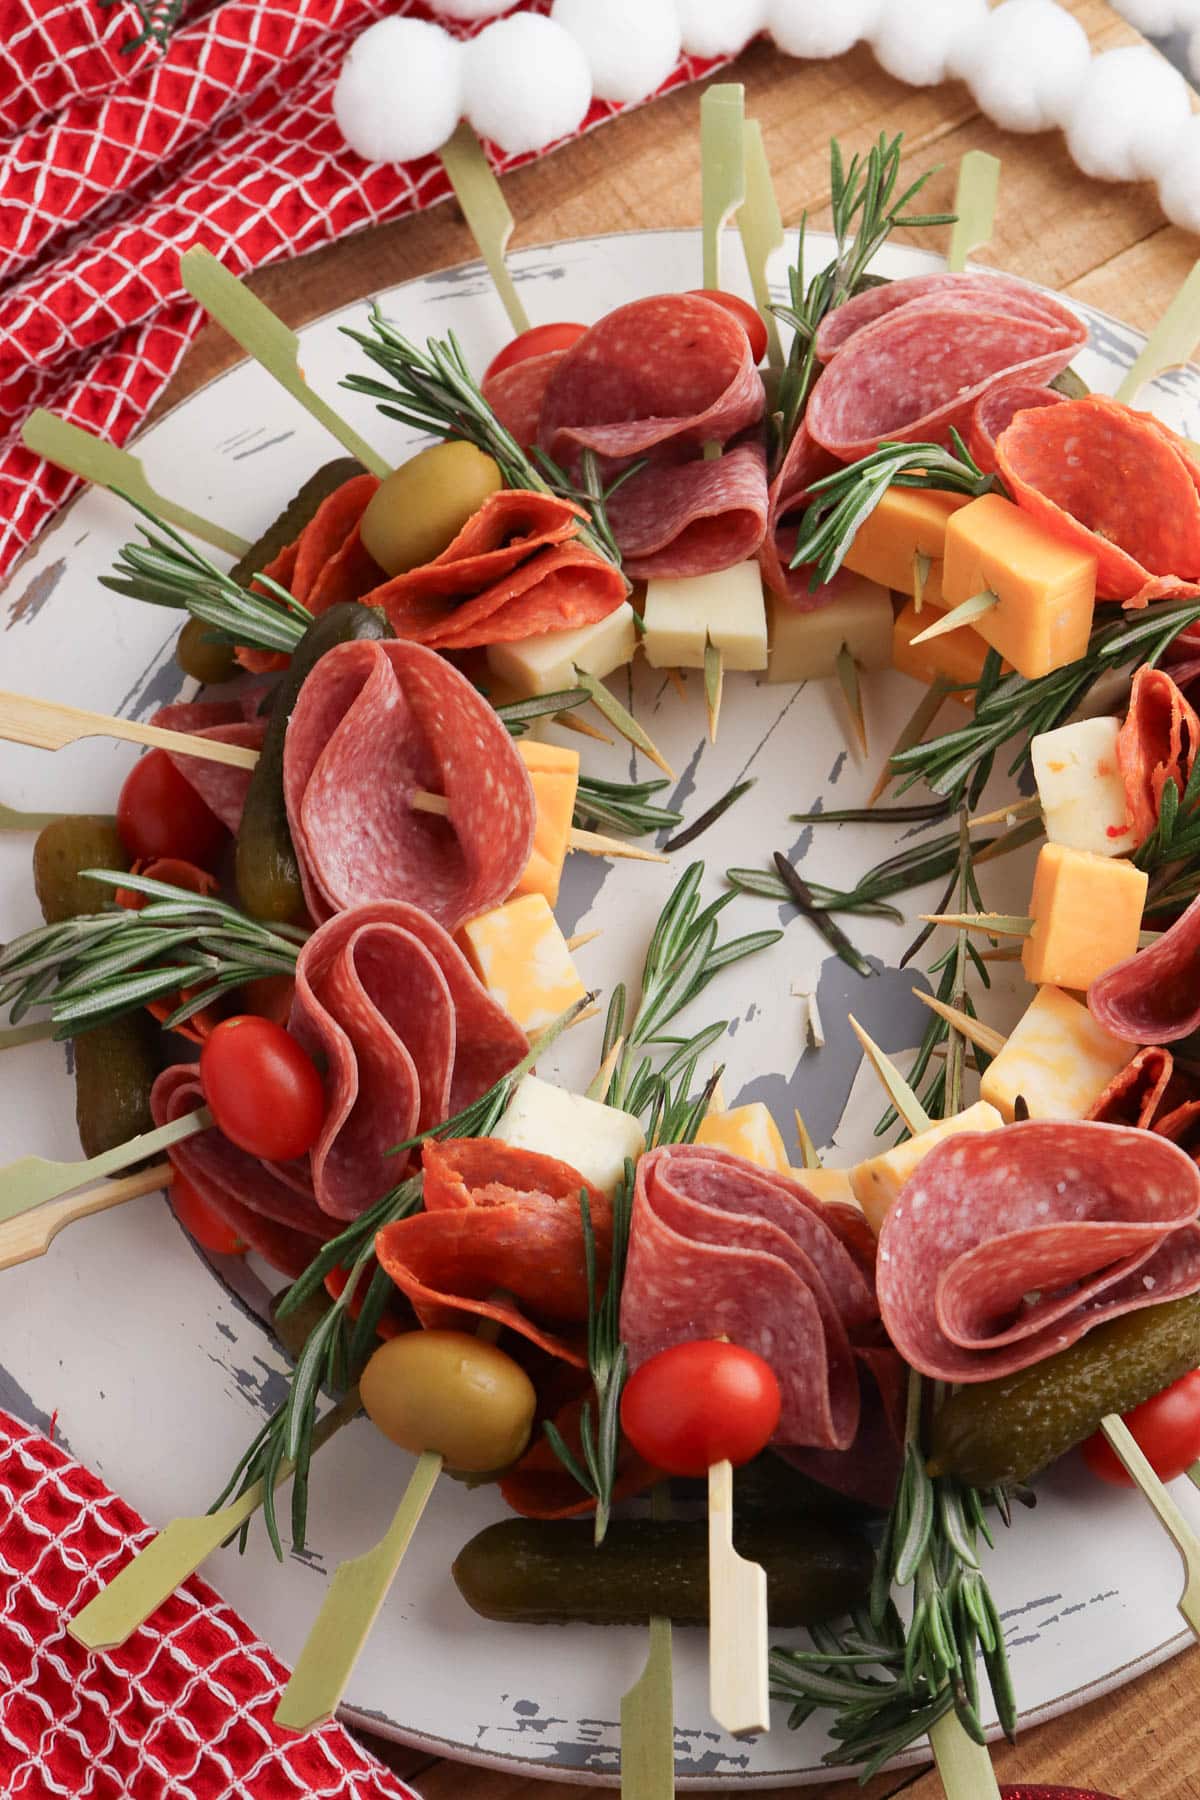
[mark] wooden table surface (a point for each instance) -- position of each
(1108, 245)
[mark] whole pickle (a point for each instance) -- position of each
(298, 513)
(550, 1572)
(1007, 1430)
(72, 843)
(266, 870)
(201, 654)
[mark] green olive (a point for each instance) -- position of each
(453, 1393)
(201, 655)
(422, 506)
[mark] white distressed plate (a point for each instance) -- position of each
(159, 1374)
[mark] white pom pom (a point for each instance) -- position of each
(1026, 63)
(470, 9)
(526, 82)
(1130, 107)
(1153, 18)
(925, 41)
(1179, 188)
(820, 28)
(720, 27)
(399, 94)
(631, 45)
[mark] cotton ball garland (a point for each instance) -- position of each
(399, 94)
(820, 28)
(631, 45)
(470, 9)
(526, 82)
(720, 27)
(1154, 18)
(926, 41)
(1131, 106)
(1179, 187)
(1026, 63)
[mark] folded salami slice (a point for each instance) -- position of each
(516, 394)
(1003, 1248)
(375, 721)
(988, 293)
(515, 570)
(787, 497)
(222, 789)
(500, 1218)
(691, 518)
(997, 409)
(1157, 743)
(406, 1034)
(720, 1247)
(328, 562)
(1116, 482)
(1154, 997)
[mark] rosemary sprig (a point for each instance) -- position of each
(1171, 853)
(716, 811)
(623, 806)
(801, 896)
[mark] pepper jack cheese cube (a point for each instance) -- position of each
(554, 777)
(805, 645)
(957, 657)
(747, 1131)
(1047, 588)
(1081, 788)
(684, 613)
(521, 956)
(877, 1181)
(1057, 1059)
(546, 663)
(592, 1137)
(1086, 911)
(907, 522)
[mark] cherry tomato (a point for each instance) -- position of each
(202, 1221)
(161, 814)
(746, 315)
(700, 1403)
(539, 340)
(1167, 1427)
(264, 1091)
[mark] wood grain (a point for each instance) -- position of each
(1108, 245)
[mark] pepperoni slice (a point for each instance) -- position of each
(1135, 1095)
(1157, 743)
(326, 563)
(1154, 997)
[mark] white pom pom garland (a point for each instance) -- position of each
(526, 82)
(1026, 64)
(399, 94)
(1131, 106)
(720, 27)
(470, 9)
(1179, 189)
(631, 45)
(927, 40)
(821, 28)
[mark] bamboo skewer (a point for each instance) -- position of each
(1172, 341)
(739, 1686)
(648, 1709)
(714, 687)
(974, 1030)
(975, 203)
(595, 843)
(12, 820)
(927, 709)
(29, 1235)
(761, 227)
(965, 613)
(32, 1180)
(486, 211)
(999, 925)
(849, 682)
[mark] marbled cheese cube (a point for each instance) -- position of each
(747, 1131)
(592, 1137)
(547, 663)
(682, 614)
(1057, 1059)
(877, 1181)
(1080, 786)
(521, 956)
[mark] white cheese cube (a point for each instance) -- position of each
(747, 1131)
(1080, 787)
(877, 1181)
(683, 614)
(1057, 1058)
(805, 645)
(593, 1138)
(546, 663)
(521, 957)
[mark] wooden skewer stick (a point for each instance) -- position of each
(848, 680)
(12, 820)
(32, 1180)
(618, 716)
(583, 937)
(31, 1234)
(963, 614)
(998, 925)
(486, 211)
(648, 1709)
(761, 226)
(270, 342)
(921, 568)
(1172, 341)
(714, 686)
(594, 842)
(898, 1090)
(1028, 808)
(177, 1552)
(16, 1035)
(738, 1681)
(46, 726)
(83, 453)
(975, 203)
(597, 1087)
(927, 709)
(975, 1031)
(808, 1150)
(584, 727)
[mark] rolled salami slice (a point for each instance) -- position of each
(500, 1218)
(691, 518)
(989, 292)
(1154, 997)
(1003, 1248)
(787, 497)
(1115, 482)
(388, 1006)
(515, 570)
(1157, 743)
(997, 409)
(222, 789)
(516, 395)
(375, 721)
(720, 1247)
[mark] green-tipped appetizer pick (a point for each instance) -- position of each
(486, 211)
(1173, 340)
(31, 1234)
(606, 702)
(12, 820)
(723, 168)
(269, 341)
(1140, 1471)
(78, 451)
(975, 204)
(32, 1180)
(899, 1092)
(648, 1709)
(761, 226)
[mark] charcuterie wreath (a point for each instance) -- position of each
(318, 959)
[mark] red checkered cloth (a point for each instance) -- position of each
(181, 1712)
(112, 163)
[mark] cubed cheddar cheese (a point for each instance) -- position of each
(957, 657)
(1081, 787)
(521, 956)
(1057, 1059)
(1046, 588)
(907, 523)
(1086, 912)
(554, 777)
(684, 613)
(877, 1181)
(593, 1138)
(805, 644)
(747, 1131)
(547, 663)
(828, 1185)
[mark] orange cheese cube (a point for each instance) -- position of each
(748, 1131)
(1046, 588)
(907, 523)
(957, 657)
(827, 1185)
(1087, 913)
(554, 776)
